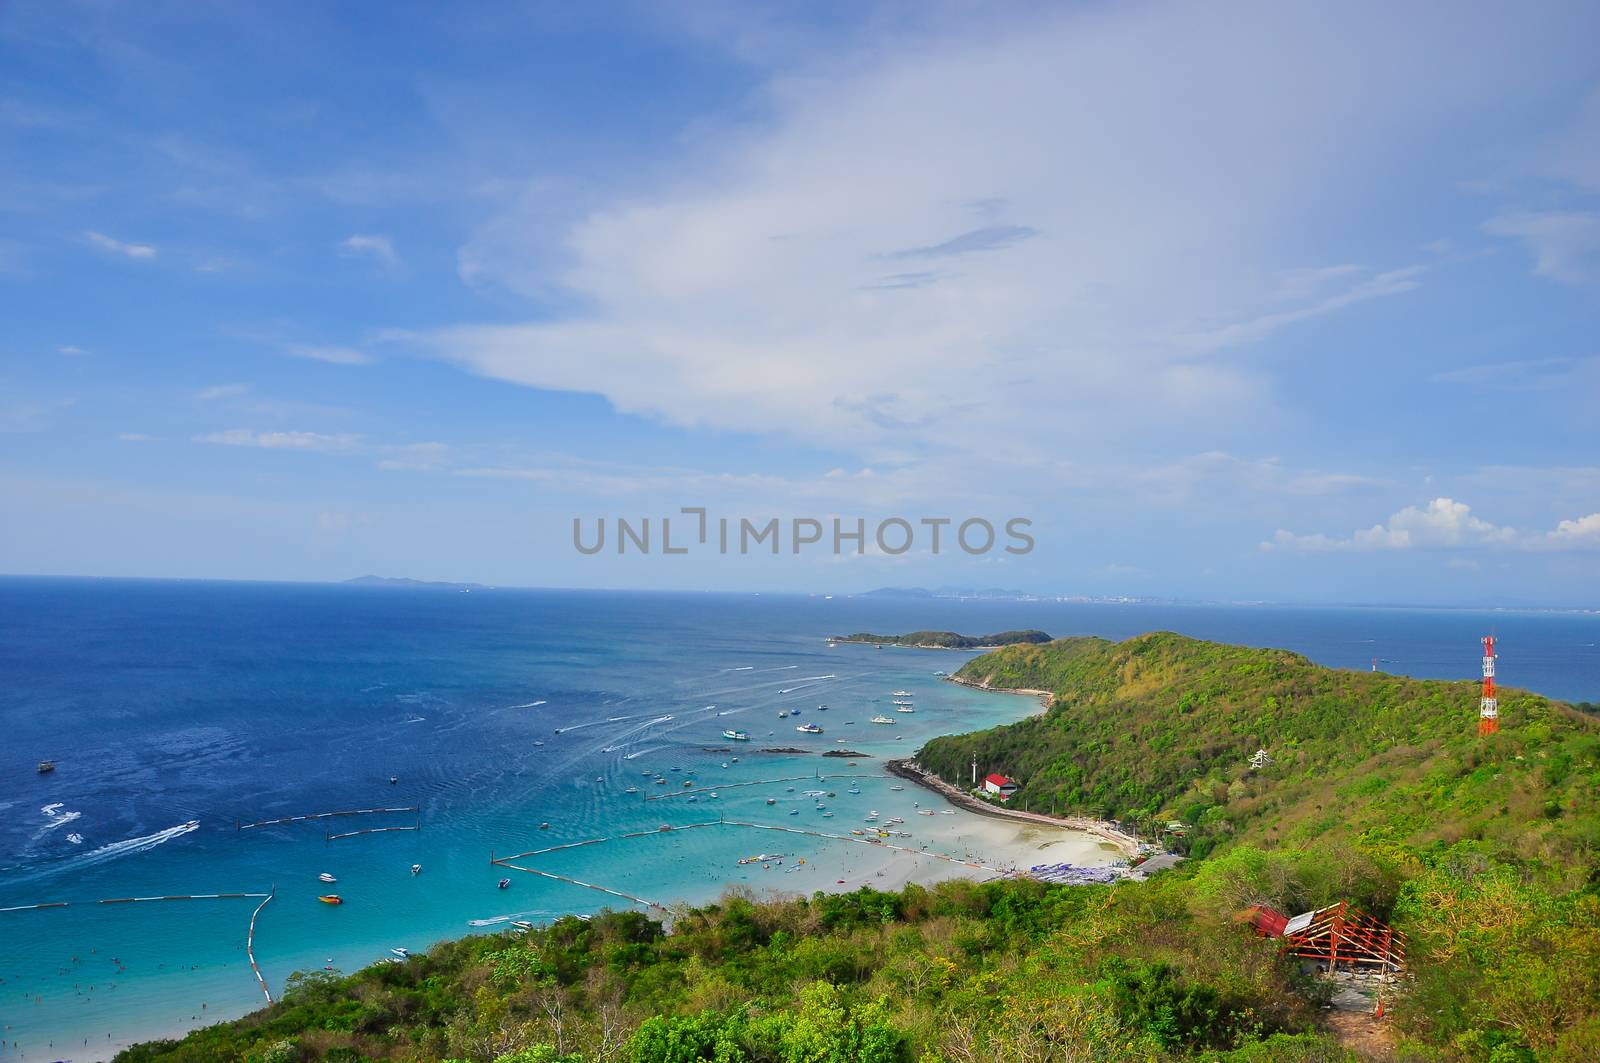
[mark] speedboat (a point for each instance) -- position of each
(331, 898)
(822, 708)
(416, 869)
(400, 952)
(903, 694)
(772, 800)
(794, 812)
(904, 708)
(46, 767)
(809, 728)
(504, 884)
(784, 715)
(947, 812)
(631, 790)
(736, 736)
(897, 788)
(853, 790)
(325, 877)
(882, 719)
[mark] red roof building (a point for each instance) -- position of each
(999, 785)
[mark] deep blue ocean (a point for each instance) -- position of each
(165, 704)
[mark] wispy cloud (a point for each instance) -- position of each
(988, 238)
(119, 247)
(221, 391)
(332, 355)
(133, 437)
(378, 248)
(1100, 264)
(70, 350)
(1443, 524)
(309, 441)
(1565, 244)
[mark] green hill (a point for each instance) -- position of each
(946, 640)
(1162, 727)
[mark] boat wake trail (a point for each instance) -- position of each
(530, 705)
(129, 846)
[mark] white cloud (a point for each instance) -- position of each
(106, 243)
(310, 441)
(221, 391)
(1581, 533)
(1443, 524)
(133, 437)
(371, 245)
(1071, 224)
(1565, 244)
(332, 355)
(70, 351)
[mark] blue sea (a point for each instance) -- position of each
(512, 720)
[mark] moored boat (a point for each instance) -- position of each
(331, 898)
(882, 719)
(809, 728)
(46, 767)
(504, 884)
(733, 735)
(325, 877)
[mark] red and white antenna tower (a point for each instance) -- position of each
(1488, 708)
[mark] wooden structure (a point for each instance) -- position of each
(1341, 934)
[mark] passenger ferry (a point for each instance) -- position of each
(736, 736)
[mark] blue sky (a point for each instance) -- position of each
(1249, 301)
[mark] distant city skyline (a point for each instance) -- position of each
(1250, 302)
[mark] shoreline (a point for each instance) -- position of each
(909, 770)
(1045, 696)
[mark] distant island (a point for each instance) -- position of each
(947, 640)
(401, 581)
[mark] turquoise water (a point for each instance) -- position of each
(165, 704)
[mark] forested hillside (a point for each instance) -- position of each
(1162, 727)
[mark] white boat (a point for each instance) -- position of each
(736, 736)
(897, 789)
(631, 790)
(904, 708)
(325, 877)
(882, 719)
(809, 728)
(904, 694)
(924, 811)
(416, 869)
(402, 953)
(815, 793)
(898, 702)
(895, 819)
(783, 715)
(947, 812)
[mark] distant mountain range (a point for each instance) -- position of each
(400, 581)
